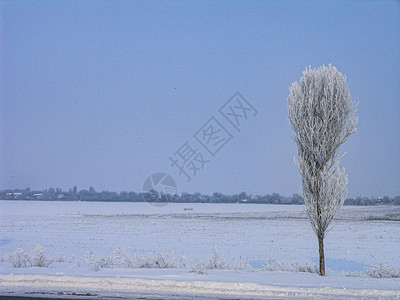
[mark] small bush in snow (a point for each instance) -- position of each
(164, 260)
(217, 262)
(280, 266)
(19, 258)
(380, 271)
(273, 265)
(242, 265)
(122, 258)
(97, 263)
(38, 258)
(61, 258)
(214, 262)
(71, 260)
(182, 264)
(159, 260)
(143, 262)
(198, 268)
(297, 267)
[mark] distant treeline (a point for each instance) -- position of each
(57, 194)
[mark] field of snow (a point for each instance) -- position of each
(78, 235)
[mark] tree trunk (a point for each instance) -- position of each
(321, 257)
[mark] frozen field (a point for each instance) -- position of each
(189, 233)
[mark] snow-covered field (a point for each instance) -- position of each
(79, 239)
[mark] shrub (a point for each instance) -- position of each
(198, 268)
(380, 271)
(273, 265)
(122, 258)
(217, 262)
(38, 258)
(19, 258)
(159, 260)
(97, 263)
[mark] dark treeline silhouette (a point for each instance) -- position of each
(57, 194)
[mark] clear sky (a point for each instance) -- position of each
(103, 93)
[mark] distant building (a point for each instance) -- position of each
(14, 195)
(38, 196)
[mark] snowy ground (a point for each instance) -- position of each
(249, 234)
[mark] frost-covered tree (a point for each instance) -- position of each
(322, 116)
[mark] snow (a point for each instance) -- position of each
(253, 232)
(220, 282)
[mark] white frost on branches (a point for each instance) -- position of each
(332, 190)
(322, 116)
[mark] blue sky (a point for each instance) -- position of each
(103, 93)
